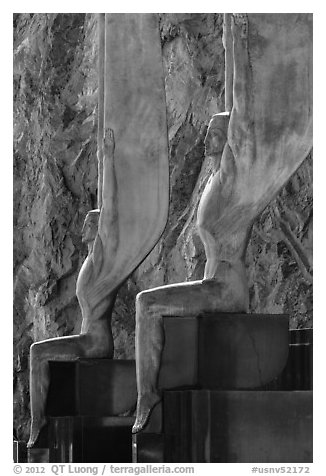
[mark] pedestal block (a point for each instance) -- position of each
(19, 452)
(241, 392)
(148, 447)
(98, 387)
(298, 372)
(85, 400)
(90, 439)
(224, 350)
(207, 363)
(214, 351)
(38, 455)
(179, 366)
(203, 426)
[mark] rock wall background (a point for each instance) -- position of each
(55, 180)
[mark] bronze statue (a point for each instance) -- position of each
(256, 145)
(95, 339)
(133, 191)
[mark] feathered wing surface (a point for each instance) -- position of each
(270, 128)
(136, 183)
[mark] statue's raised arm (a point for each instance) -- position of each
(107, 239)
(135, 185)
(133, 194)
(256, 144)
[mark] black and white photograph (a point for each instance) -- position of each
(162, 241)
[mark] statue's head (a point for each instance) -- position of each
(90, 227)
(216, 135)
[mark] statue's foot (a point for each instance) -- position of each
(145, 406)
(36, 427)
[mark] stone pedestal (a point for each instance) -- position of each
(239, 392)
(224, 350)
(236, 388)
(85, 439)
(205, 426)
(38, 455)
(88, 409)
(298, 372)
(97, 387)
(19, 452)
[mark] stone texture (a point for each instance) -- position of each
(93, 387)
(203, 426)
(223, 351)
(55, 184)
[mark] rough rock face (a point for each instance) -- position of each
(55, 181)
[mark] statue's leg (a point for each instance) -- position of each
(60, 349)
(185, 299)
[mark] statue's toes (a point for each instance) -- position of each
(137, 427)
(32, 440)
(141, 421)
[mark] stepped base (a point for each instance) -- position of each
(38, 455)
(19, 452)
(205, 426)
(90, 439)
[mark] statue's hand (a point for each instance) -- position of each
(108, 142)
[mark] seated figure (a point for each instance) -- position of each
(95, 339)
(134, 196)
(256, 146)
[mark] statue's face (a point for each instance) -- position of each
(214, 141)
(90, 226)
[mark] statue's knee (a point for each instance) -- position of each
(140, 300)
(36, 351)
(143, 303)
